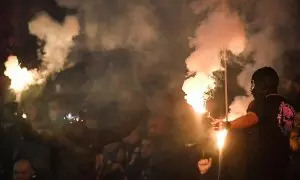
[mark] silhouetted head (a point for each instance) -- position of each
(264, 81)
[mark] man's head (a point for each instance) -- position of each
(264, 81)
(23, 170)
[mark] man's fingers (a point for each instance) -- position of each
(203, 162)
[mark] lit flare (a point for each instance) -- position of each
(221, 137)
(195, 89)
(20, 78)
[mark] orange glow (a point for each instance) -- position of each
(221, 137)
(21, 78)
(195, 89)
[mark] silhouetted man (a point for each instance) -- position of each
(270, 119)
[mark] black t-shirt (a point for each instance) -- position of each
(269, 144)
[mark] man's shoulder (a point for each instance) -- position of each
(278, 99)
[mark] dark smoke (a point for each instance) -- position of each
(137, 49)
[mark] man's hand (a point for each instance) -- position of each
(204, 165)
(218, 124)
(248, 120)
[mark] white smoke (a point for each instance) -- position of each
(108, 26)
(219, 30)
(58, 40)
(133, 25)
(266, 45)
(133, 29)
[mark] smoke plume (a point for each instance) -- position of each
(58, 40)
(265, 23)
(221, 30)
(271, 20)
(134, 28)
(147, 30)
(136, 33)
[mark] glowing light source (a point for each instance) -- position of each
(71, 117)
(221, 137)
(20, 78)
(24, 116)
(195, 89)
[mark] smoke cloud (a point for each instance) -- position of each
(134, 28)
(221, 30)
(58, 40)
(152, 33)
(271, 20)
(130, 42)
(262, 23)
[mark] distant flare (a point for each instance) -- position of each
(20, 78)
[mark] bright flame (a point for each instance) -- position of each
(195, 89)
(221, 30)
(221, 137)
(20, 78)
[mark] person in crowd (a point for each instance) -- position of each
(137, 168)
(117, 155)
(270, 119)
(23, 170)
(168, 151)
(74, 159)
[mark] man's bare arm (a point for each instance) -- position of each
(245, 121)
